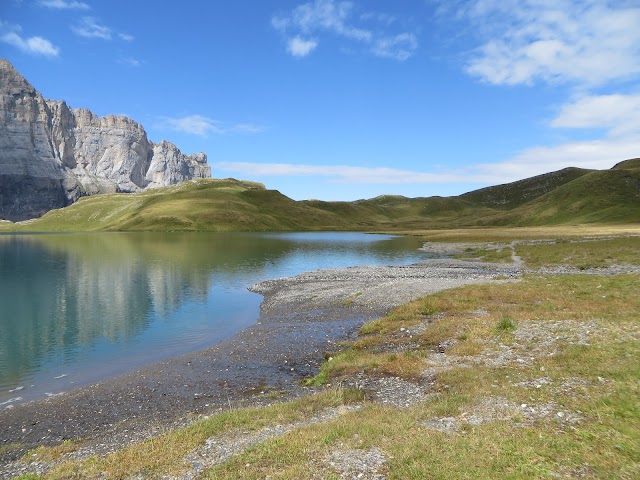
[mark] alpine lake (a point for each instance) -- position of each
(79, 308)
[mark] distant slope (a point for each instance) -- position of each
(393, 211)
(607, 196)
(632, 164)
(511, 195)
(571, 196)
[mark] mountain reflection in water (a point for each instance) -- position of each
(77, 308)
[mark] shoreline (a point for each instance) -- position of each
(308, 313)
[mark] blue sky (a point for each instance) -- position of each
(341, 100)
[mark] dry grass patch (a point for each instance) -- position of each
(53, 453)
(165, 454)
(583, 254)
(405, 365)
(506, 234)
(497, 255)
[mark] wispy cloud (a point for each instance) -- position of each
(399, 47)
(129, 61)
(89, 27)
(64, 5)
(309, 20)
(581, 42)
(11, 34)
(126, 37)
(337, 173)
(205, 126)
(596, 154)
(533, 161)
(299, 47)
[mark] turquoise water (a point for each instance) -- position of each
(79, 308)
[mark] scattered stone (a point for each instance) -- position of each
(446, 424)
(391, 391)
(217, 450)
(359, 464)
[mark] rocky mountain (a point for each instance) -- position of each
(51, 154)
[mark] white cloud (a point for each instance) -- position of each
(90, 28)
(595, 154)
(204, 126)
(584, 42)
(337, 18)
(299, 47)
(126, 37)
(338, 173)
(326, 15)
(619, 114)
(32, 45)
(64, 5)
(194, 124)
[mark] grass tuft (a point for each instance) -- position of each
(505, 325)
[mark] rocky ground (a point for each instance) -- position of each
(308, 314)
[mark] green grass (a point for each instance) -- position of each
(505, 324)
(518, 193)
(568, 197)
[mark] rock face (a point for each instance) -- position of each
(51, 155)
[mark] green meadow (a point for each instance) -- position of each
(567, 197)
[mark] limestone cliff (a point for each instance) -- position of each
(51, 155)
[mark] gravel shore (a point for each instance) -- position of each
(301, 317)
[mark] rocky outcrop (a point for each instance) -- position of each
(51, 154)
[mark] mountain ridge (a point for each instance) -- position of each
(51, 154)
(592, 197)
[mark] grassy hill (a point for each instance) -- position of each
(567, 197)
(200, 205)
(518, 193)
(600, 196)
